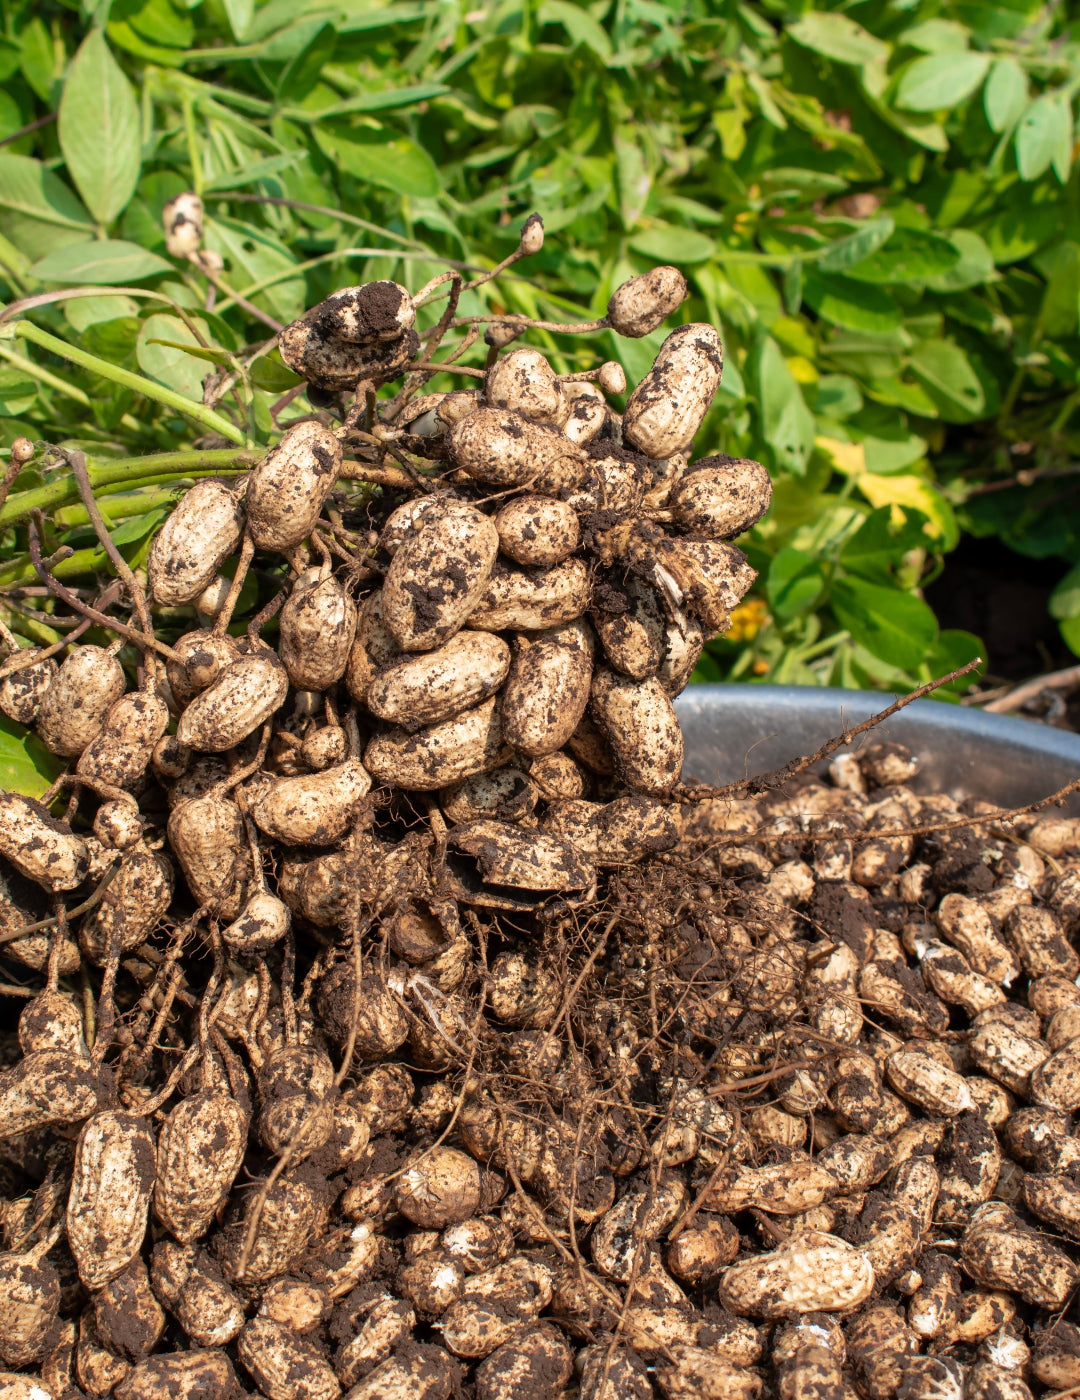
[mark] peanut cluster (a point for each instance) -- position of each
(402, 1029)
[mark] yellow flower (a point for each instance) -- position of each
(747, 620)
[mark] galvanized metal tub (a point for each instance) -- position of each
(734, 731)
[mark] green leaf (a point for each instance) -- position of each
(1062, 296)
(579, 24)
(99, 129)
(893, 625)
(26, 765)
(668, 243)
(109, 262)
(787, 425)
(1065, 599)
(949, 378)
(858, 245)
(794, 584)
(878, 546)
(857, 306)
(974, 265)
(1005, 95)
(18, 390)
(257, 170)
(937, 36)
(1070, 632)
(381, 158)
(270, 372)
(176, 369)
(1044, 130)
(252, 254)
(940, 81)
(837, 37)
(239, 14)
(38, 212)
(911, 255)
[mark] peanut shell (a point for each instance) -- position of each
(39, 846)
(283, 1364)
(524, 382)
(200, 1148)
(531, 600)
(318, 625)
(208, 838)
(242, 697)
(29, 1305)
(112, 1180)
(640, 724)
(130, 909)
(432, 686)
(203, 529)
(720, 497)
(547, 689)
(437, 577)
(508, 855)
(640, 305)
(537, 530)
(181, 1375)
(504, 449)
(47, 1087)
(442, 754)
(811, 1272)
(74, 707)
(288, 488)
(506, 795)
(375, 647)
(442, 1188)
(22, 692)
(635, 638)
(668, 405)
(314, 809)
(263, 921)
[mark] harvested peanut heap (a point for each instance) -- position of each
(401, 1030)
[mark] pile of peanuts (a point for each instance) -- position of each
(396, 1025)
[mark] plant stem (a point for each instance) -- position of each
(206, 417)
(134, 470)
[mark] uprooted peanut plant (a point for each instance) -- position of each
(397, 1022)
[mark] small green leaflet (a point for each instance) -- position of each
(1044, 137)
(381, 158)
(161, 356)
(579, 24)
(858, 245)
(38, 212)
(99, 129)
(669, 243)
(1005, 95)
(17, 391)
(940, 81)
(110, 262)
(1065, 599)
(795, 582)
(787, 425)
(837, 37)
(948, 376)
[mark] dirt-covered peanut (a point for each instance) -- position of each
(127, 1316)
(52, 1020)
(632, 627)
(74, 707)
(29, 1305)
(112, 1180)
(684, 641)
(720, 497)
(314, 809)
(47, 1087)
(287, 490)
(325, 747)
(923, 1080)
(479, 1243)
(284, 1365)
(557, 777)
(441, 1188)
(530, 860)
(430, 686)
(375, 647)
(537, 1362)
(523, 992)
(242, 697)
(208, 1309)
(368, 314)
(1007, 1054)
(786, 1188)
(547, 689)
(998, 1251)
(618, 1374)
(294, 1088)
(199, 1374)
(423, 1373)
(641, 304)
(666, 409)
(589, 413)
(382, 1326)
(494, 1305)
(626, 829)
(503, 449)
(537, 530)
(292, 1213)
(318, 625)
(200, 1147)
(506, 795)
(639, 723)
(39, 846)
(200, 534)
(22, 692)
(295, 1303)
(700, 1252)
(131, 907)
(207, 837)
(524, 382)
(263, 921)
(442, 754)
(1037, 938)
(810, 1272)
(437, 576)
(531, 600)
(120, 751)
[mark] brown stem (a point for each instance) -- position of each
(224, 617)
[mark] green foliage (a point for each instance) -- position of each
(878, 205)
